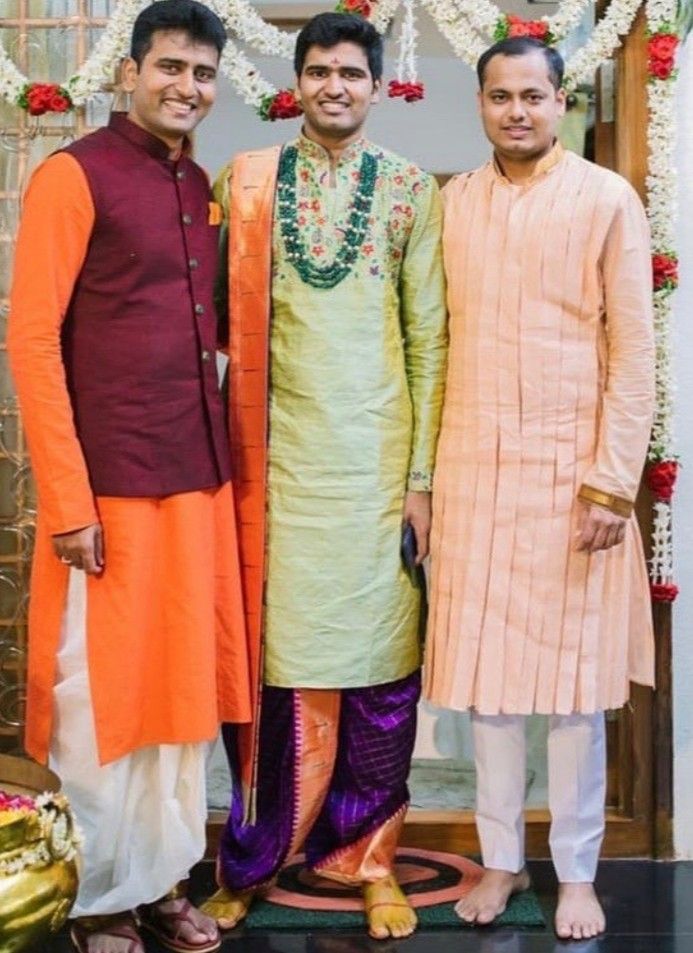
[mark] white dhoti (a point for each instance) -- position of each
(143, 816)
(577, 789)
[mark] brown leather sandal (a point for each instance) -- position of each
(165, 925)
(122, 926)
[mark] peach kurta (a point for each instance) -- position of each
(166, 639)
(550, 389)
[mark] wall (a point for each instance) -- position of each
(442, 133)
(683, 509)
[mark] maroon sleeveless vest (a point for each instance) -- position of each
(139, 338)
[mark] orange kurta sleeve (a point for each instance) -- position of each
(57, 221)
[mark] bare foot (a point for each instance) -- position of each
(228, 908)
(579, 914)
(490, 896)
(388, 910)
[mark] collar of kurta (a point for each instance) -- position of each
(545, 165)
(313, 150)
(156, 147)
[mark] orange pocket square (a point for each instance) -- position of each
(214, 214)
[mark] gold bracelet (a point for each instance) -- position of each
(609, 501)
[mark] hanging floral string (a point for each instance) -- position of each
(407, 84)
(662, 45)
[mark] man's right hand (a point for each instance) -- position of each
(82, 549)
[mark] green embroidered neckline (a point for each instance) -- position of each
(324, 276)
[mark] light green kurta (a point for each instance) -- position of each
(357, 375)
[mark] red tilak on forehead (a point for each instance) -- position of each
(334, 62)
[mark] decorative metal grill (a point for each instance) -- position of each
(48, 40)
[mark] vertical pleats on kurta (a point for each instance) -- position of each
(519, 620)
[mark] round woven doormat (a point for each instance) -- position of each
(432, 881)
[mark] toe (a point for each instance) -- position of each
(466, 910)
(487, 915)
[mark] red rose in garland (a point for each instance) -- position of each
(59, 103)
(285, 106)
(517, 26)
(411, 92)
(664, 591)
(662, 46)
(661, 53)
(40, 98)
(281, 105)
(665, 272)
(660, 69)
(512, 25)
(538, 29)
(361, 7)
(661, 479)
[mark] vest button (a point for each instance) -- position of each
(199, 309)
(193, 263)
(206, 356)
(187, 219)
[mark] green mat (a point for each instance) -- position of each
(523, 910)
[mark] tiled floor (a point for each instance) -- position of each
(649, 907)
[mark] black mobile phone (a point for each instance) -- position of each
(408, 548)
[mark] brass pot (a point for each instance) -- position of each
(38, 868)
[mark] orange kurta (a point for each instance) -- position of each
(165, 630)
(550, 386)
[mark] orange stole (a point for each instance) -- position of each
(251, 209)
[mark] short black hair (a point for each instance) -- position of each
(200, 23)
(329, 29)
(520, 46)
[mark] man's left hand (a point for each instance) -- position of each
(598, 528)
(417, 512)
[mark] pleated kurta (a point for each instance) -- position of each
(550, 386)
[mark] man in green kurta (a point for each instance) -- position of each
(335, 439)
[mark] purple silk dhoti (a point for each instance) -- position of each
(332, 779)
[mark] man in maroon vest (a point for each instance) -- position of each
(137, 644)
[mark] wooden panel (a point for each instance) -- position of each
(455, 831)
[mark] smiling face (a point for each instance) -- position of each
(173, 88)
(336, 90)
(520, 107)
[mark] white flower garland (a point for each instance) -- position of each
(466, 25)
(112, 46)
(603, 42)
(406, 63)
(60, 838)
(661, 207)
(483, 16)
(466, 42)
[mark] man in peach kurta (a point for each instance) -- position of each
(137, 642)
(539, 592)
